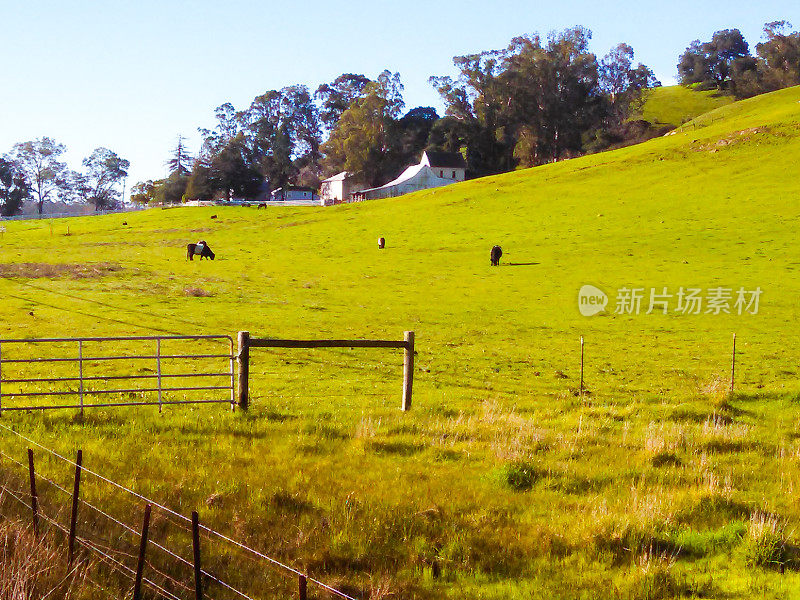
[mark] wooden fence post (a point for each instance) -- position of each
(137, 586)
(243, 362)
(408, 370)
(733, 362)
(581, 393)
(73, 523)
(198, 581)
(303, 584)
(34, 496)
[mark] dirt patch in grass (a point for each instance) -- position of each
(117, 243)
(196, 292)
(56, 271)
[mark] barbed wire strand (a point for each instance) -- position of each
(89, 546)
(151, 542)
(269, 559)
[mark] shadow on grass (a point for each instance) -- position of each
(759, 396)
(398, 448)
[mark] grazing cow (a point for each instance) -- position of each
(381, 243)
(213, 216)
(497, 252)
(262, 205)
(200, 249)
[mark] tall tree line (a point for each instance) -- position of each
(725, 62)
(536, 101)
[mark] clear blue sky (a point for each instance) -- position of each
(131, 76)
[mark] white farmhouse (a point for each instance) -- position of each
(449, 165)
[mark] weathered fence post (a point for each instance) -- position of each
(243, 362)
(158, 369)
(581, 366)
(733, 362)
(1, 380)
(137, 586)
(408, 370)
(302, 587)
(80, 371)
(198, 581)
(34, 497)
(73, 523)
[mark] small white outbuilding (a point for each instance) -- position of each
(339, 188)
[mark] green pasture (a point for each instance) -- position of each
(502, 482)
(676, 104)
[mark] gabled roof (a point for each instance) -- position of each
(444, 160)
(339, 176)
(414, 172)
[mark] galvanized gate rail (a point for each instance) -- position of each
(159, 375)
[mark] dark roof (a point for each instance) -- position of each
(446, 160)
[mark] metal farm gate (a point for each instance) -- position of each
(128, 371)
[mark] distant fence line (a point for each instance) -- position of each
(202, 577)
(37, 216)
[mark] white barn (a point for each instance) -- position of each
(435, 169)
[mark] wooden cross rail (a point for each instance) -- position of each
(246, 342)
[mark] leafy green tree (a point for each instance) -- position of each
(145, 192)
(780, 56)
(172, 189)
(693, 65)
(46, 175)
(412, 132)
(104, 171)
(337, 96)
(530, 103)
(725, 47)
(710, 63)
(14, 189)
(231, 171)
(362, 140)
(623, 84)
(199, 185)
(228, 125)
(302, 122)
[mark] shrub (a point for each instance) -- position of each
(519, 475)
(765, 543)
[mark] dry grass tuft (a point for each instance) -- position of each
(765, 543)
(32, 568)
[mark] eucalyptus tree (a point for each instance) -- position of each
(39, 161)
(104, 171)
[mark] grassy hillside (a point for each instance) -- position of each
(501, 482)
(676, 104)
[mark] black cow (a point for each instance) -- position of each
(199, 249)
(497, 252)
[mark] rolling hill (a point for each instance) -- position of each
(503, 481)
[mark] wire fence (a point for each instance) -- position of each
(62, 215)
(174, 556)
